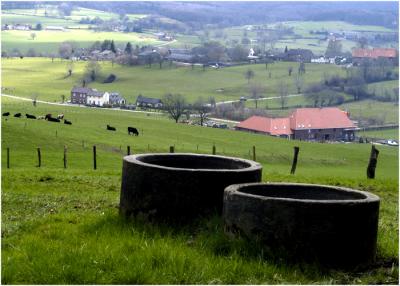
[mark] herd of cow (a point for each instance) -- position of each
(48, 117)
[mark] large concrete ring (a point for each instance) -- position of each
(331, 226)
(180, 186)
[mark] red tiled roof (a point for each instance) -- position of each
(273, 126)
(320, 118)
(374, 53)
(302, 118)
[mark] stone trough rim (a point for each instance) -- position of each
(369, 197)
(134, 159)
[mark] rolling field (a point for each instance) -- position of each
(31, 75)
(62, 226)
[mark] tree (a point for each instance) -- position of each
(290, 70)
(249, 74)
(313, 93)
(112, 47)
(70, 68)
(238, 53)
(62, 98)
(38, 27)
(106, 45)
(334, 49)
(175, 105)
(362, 42)
(302, 68)
(34, 97)
(128, 48)
(31, 53)
(256, 92)
(92, 70)
(202, 109)
(245, 41)
(65, 9)
(298, 82)
(286, 50)
(212, 102)
(65, 50)
(283, 93)
(33, 36)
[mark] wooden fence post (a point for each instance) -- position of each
(254, 153)
(214, 150)
(8, 158)
(65, 157)
(128, 150)
(39, 157)
(94, 158)
(171, 149)
(373, 160)
(294, 164)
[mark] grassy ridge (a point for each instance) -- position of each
(62, 226)
(32, 75)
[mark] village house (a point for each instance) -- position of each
(148, 102)
(373, 54)
(79, 94)
(116, 99)
(311, 124)
(98, 98)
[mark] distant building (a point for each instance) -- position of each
(375, 53)
(54, 28)
(98, 98)
(149, 102)
(116, 99)
(79, 94)
(313, 124)
(297, 55)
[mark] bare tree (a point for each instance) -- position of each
(290, 70)
(93, 69)
(283, 93)
(212, 102)
(299, 83)
(249, 74)
(70, 68)
(33, 36)
(65, 50)
(175, 105)
(34, 97)
(256, 92)
(202, 109)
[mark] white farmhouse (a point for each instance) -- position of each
(98, 98)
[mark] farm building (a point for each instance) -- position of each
(313, 124)
(99, 98)
(116, 98)
(375, 53)
(142, 101)
(79, 94)
(86, 95)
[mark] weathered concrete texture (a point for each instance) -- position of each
(180, 186)
(332, 226)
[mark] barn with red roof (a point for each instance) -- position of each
(319, 124)
(375, 53)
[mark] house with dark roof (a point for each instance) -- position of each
(116, 99)
(312, 124)
(148, 102)
(79, 94)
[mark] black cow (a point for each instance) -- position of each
(30, 116)
(67, 122)
(111, 128)
(17, 115)
(6, 113)
(133, 130)
(47, 116)
(52, 119)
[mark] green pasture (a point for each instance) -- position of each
(49, 41)
(381, 134)
(384, 87)
(7, 18)
(48, 79)
(61, 226)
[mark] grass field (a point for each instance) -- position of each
(381, 134)
(62, 226)
(31, 75)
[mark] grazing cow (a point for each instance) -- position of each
(111, 128)
(47, 116)
(40, 117)
(30, 116)
(6, 113)
(52, 119)
(18, 115)
(67, 122)
(60, 116)
(133, 130)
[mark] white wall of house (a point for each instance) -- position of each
(98, 100)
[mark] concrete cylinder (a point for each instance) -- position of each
(331, 226)
(180, 186)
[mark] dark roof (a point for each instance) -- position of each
(95, 93)
(80, 89)
(115, 96)
(180, 57)
(149, 100)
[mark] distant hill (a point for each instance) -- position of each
(223, 14)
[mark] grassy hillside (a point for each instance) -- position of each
(62, 226)
(31, 75)
(382, 134)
